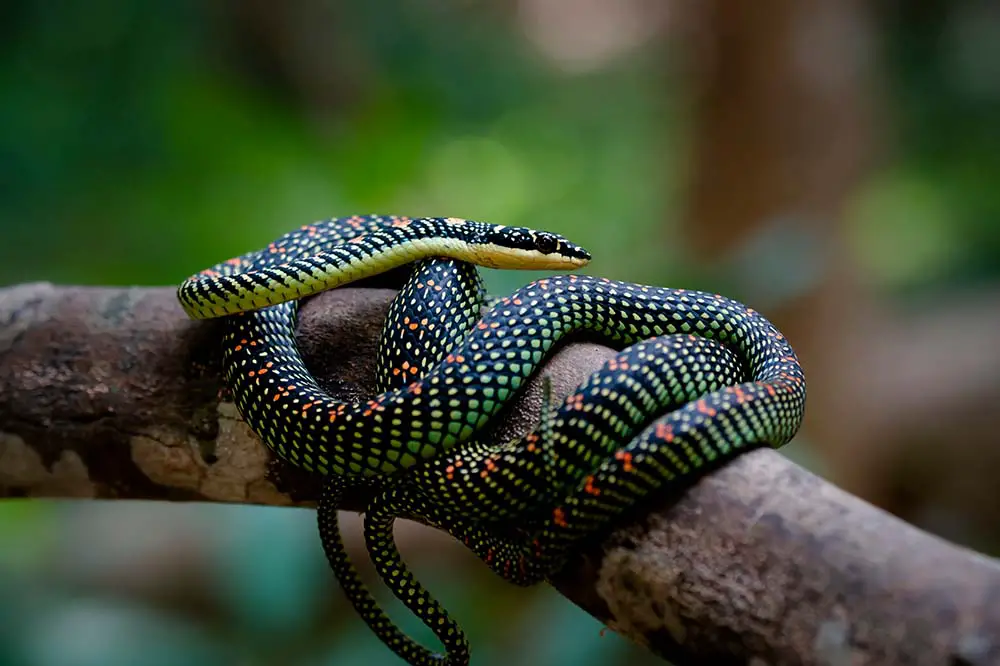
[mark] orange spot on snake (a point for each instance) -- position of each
(664, 432)
(704, 408)
(559, 517)
(626, 458)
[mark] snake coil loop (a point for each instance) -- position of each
(699, 378)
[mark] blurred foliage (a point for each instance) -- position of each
(141, 142)
(931, 214)
(136, 151)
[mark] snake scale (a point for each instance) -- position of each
(699, 378)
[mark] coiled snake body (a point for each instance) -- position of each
(705, 378)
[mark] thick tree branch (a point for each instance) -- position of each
(113, 393)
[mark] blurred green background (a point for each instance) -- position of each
(833, 164)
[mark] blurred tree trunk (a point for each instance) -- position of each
(782, 135)
(784, 125)
(299, 51)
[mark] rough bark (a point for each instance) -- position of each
(113, 393)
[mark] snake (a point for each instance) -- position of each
(459, 484)
(258, 294)
(705, 378)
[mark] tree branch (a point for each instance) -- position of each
(114, 393)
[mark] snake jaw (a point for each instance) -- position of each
(504, 257)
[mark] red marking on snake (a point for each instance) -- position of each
(590, 488)
(703, 408)
(559, 517)
(373, 406)
(626, 459)
(741, 395)
(618, 364)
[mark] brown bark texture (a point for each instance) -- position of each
(113, 393)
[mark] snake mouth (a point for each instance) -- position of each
(498, 256)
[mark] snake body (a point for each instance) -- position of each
(660, 414)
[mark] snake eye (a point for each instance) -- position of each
(546, 243)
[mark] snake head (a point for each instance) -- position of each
(521, 247)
